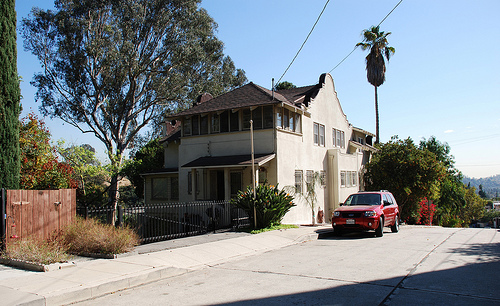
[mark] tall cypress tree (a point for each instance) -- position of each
(9, 98)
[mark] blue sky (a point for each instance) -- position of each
(443, 80)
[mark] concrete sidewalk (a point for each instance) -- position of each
(91, 278)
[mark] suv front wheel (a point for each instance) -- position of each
(379, 232)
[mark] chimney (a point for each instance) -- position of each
(203, 98)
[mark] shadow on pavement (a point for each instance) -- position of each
(473, 284)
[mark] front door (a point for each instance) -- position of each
(217, 191)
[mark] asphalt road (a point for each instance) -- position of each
(417, 266)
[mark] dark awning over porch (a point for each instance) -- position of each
(229, 161)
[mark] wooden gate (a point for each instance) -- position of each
(38, 212)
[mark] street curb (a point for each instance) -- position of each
(79, 294)
(32, 266)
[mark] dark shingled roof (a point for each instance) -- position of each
(252, 95)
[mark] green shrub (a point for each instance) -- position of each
(90, 236)
(271, 204)
(36, 250)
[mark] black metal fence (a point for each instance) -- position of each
(158, 222)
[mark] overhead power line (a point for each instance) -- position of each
(297, 54)
(357, 46)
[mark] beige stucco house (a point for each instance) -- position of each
(297, 132)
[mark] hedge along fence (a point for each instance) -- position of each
(36, 212)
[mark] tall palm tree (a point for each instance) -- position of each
(376, 41)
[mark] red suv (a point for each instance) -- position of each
(370, 210)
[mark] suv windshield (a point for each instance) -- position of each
(363, 199)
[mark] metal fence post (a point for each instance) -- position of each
(3, 223)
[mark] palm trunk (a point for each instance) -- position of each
(377, 137)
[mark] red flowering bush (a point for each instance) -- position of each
(427, 209)
(40, 168)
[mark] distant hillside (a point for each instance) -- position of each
(491, 185)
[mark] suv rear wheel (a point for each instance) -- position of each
(395, 226)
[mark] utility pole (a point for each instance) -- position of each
(253, 175)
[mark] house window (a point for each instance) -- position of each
(354, 177)
(334, 133)
(246, 117)
(195, 125)
(348, 179)
(215, 128)
(297, 123)
(187, 126)
(257, 118)
(298, 181)
(338, 139)
(204, 125)
(286, 118)
(316, 133)
(268, 116)
(159, 188)
(309, 176)
(279, 117)
(165, 188)
(342, 179)
(292, 122)
(321, 135)
(360, 140)
(342, 140)
(224, 122)
(235, 121)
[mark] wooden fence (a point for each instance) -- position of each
(37, 212)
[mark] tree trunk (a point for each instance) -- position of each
(377, 135)
(113, 196)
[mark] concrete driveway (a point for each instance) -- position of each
(418, 266)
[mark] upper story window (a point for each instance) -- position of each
(195, 125)
(186, 126)
(204, 125)
(215, 123)
(338, 138)
(319, 134)
(246, 115)
(235, 121)
(231, 121)
(279, 117)
(257, 118)
(267, 114)
(288, 120)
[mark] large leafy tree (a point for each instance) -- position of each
(376, 41)
(111, 67)
(409, 173)
(9, 98)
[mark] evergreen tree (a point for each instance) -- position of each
(9, 98)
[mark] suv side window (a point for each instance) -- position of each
(387, 200)
(391, 199)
